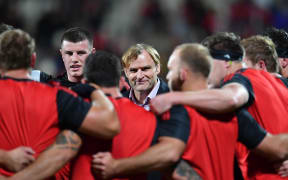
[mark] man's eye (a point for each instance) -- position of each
(146, 68)
(133, 70)
(69, 53)
(81, 52)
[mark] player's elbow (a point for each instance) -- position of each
(172, 156)
(233, 103)
(282, 152)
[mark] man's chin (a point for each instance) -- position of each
(142, 88)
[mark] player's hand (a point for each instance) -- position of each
(19, 158)
(161, 103)
(104, 165)
(282, 169)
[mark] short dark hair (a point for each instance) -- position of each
(103, 68)
(279, 38)
(224, 41)
(5, 27)
(16, 49)
(77, 34)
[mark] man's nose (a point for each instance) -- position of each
(139, 74)
(74, 57)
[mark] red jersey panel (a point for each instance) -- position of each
(268, 104)
(20, 123)
(137, 131)
(211, 145)
(29, 116)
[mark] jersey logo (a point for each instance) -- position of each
(227, 56)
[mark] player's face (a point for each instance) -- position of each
(74, 56)
(142, 73)
(218, 73)
(173, 76)
(284, 66)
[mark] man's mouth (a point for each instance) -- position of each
(140, 82)
(75, 67)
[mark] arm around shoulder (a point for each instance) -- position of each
(101, 120)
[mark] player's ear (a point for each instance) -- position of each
(261, 64)
(33, 60)
(183, 74)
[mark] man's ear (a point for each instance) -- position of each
(183, 74)
(125, 70)
(228, 64)
(261, 64)
(33, 60)
(158, 69)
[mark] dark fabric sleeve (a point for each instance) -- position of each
(177, 125)
(250, 133)
(83, 90)
(71, 110)
(285, 81)
(238, 78)
(44, 77)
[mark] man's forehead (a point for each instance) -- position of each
(71, 45)
(141, 61)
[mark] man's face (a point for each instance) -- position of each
(142, 73)
(173, 76)
(219, 71)
(284, 66)
(74, 56)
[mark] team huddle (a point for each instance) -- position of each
(222, 115)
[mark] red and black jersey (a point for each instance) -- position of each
(139, 130)
(211, 146)
(268, 104)
(32, 114)
(283, 80)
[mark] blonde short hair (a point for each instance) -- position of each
(134, 51)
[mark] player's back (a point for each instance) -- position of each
(211, 145)
(268, 104)
(268, 99)
(137, 132)
(28, 115)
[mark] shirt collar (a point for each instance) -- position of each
(151, 95)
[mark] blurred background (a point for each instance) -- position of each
(118, 24)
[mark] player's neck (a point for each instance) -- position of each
(197, 85)
(18, 74)
(113, 91)
(141, 95)
(235, 67)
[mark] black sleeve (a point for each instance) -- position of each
(284, 80)
(83, 90)
(44, 77)
(250, 133)
(177, 124)
(71, 110)
(238, 78)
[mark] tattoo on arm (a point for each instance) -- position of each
(184, 169)
(67, 139)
